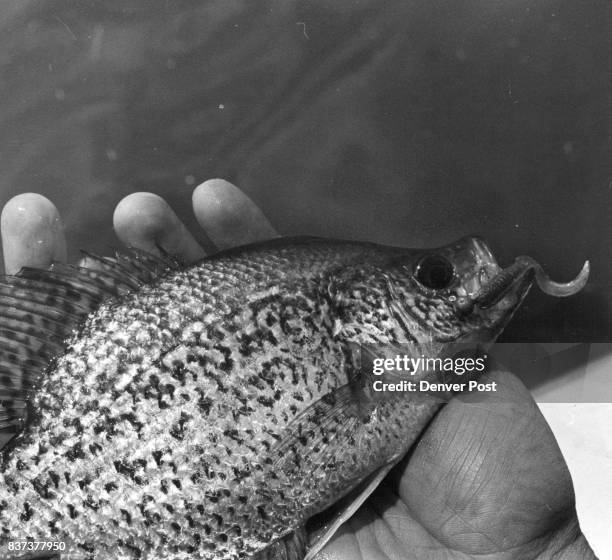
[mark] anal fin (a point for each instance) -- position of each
(347, 507)
(291, 547)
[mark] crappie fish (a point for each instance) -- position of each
(207, 412)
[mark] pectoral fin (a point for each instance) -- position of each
(323, 434)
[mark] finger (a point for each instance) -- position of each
(32, 233)
(146, 221)
(229, 217)
(487, 453)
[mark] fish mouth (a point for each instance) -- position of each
(518, 277)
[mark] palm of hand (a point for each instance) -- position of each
(486, 480)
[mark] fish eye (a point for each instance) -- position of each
(435, 272)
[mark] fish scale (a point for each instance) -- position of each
(210, 411)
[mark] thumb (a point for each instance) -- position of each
(488, 475)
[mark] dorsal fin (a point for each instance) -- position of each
(41, 309)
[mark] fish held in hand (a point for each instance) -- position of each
(208, 412)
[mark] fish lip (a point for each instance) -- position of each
(515, 279)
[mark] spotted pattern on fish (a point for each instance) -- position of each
(210, 413)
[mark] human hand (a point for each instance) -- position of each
(33, 234)
(487, 479)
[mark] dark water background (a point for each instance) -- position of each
(406, 123)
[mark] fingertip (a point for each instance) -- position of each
(215, 191)
(146, 221)
(229, 216)
(139, 218)
(29, 211)
(32, 233)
